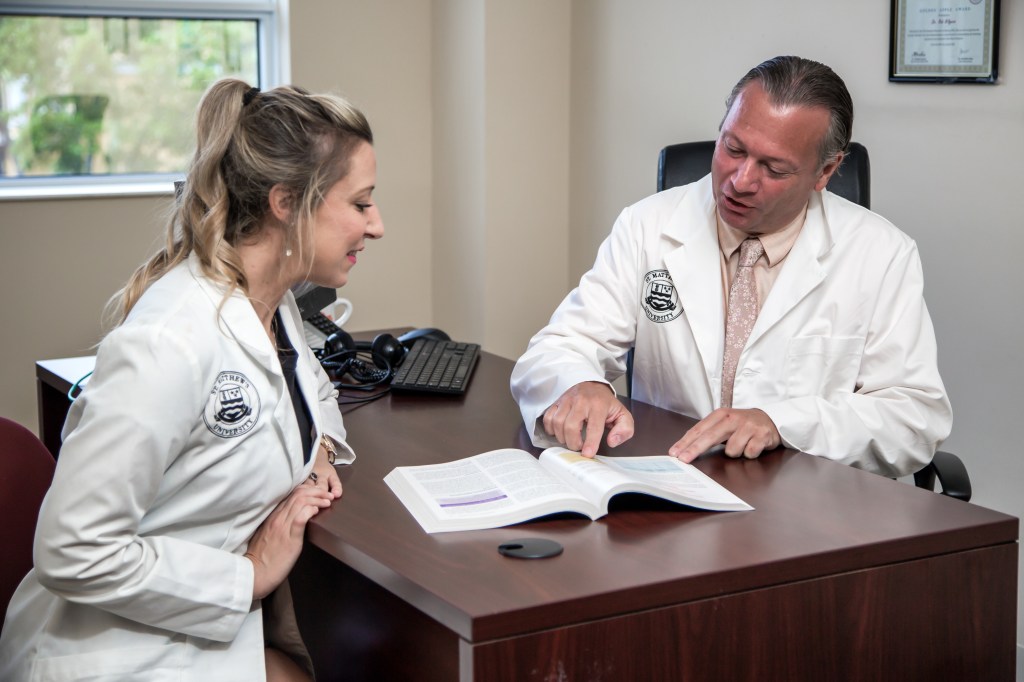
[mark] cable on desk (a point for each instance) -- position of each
(360, 399)
(77, 385)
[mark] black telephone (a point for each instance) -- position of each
(367, 364)
(342, 355)
(311, 300)
(318, 328)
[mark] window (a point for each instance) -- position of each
(99, 97)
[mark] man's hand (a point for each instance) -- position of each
(744, 432)
(579, 417)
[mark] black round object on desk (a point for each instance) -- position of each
(530, 548)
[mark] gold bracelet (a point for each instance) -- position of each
(332, 452)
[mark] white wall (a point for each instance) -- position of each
(945, 168)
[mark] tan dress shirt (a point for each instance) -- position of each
(777, 246)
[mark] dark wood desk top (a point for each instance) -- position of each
(812, 518)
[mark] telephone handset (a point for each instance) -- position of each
(312, 301)
(318, 327)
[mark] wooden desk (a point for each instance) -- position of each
(837, 574)
(54, 378)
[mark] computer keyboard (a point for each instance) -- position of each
(436, 366)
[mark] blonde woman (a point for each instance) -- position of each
(205, 439)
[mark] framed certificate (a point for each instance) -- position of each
(944, 41)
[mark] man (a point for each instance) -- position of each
(775, 312)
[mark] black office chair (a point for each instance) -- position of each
(680, 164)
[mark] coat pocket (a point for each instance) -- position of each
(141, 664)
(822, 365)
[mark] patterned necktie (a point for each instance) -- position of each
(742, 313)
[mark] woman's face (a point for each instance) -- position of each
(345, 220)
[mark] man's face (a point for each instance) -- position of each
(766, 162)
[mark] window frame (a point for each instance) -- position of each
(274, 69)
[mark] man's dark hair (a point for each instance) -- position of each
(794, 81)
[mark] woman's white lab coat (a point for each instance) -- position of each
(180, 446)
(842, 356)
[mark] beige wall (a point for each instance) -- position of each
(378, 55)
(511, 132)
(501, 167)
(60, 261)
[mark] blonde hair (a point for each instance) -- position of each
(246, 143)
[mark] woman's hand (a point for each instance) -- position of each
(274, 547)
(324, 476)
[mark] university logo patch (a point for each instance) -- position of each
(233, 406)
(659, 298)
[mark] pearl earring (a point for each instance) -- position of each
(288, 253)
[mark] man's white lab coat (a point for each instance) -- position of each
(842, 357)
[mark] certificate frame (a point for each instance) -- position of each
(944, 41)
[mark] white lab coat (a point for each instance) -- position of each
(842, 356)
(180, 446)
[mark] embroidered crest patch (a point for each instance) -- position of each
(659, 298)
(233, 406)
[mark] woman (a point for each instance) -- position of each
(204, 441)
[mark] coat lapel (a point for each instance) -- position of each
(695, 266)
(307, 379)
(238, 320)
(696, 272)
(801, 272)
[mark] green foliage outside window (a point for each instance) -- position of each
(110, 95)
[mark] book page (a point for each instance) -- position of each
(591, 476)
(681, 481)
(506, 485)
(602, 477)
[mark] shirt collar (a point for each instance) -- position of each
(777, 245)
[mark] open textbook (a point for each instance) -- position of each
(503, 487)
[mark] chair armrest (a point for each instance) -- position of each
(951, 472)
